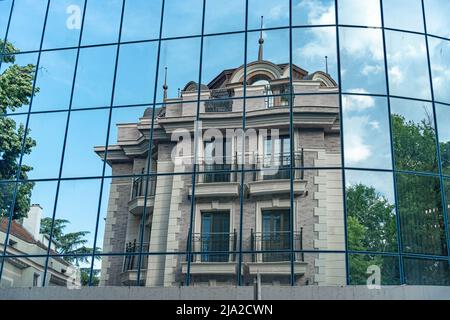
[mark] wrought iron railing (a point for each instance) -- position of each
(138, 187)
(213, 173)
(273, 242)
(131, 261)
(214, 247)
(277, 167)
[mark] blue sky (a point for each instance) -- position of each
(362, 72)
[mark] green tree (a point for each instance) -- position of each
(73, 243)
(371, 226)
(16, 90)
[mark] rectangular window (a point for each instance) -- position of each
(277, 159)
(215, 236)
(275, 234)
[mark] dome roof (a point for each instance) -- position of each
(193, 86)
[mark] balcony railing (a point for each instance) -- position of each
(220, 101)
(277, 167)
(131, 261)
(275, 241)
(212, 244)
(138, 188)
(213, 173)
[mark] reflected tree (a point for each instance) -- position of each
(414, 144)
(71, 244)
(371, 226)
(16, 90)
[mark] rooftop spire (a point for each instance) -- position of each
(261, 41)
(165, 87)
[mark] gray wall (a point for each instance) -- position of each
(229, 293)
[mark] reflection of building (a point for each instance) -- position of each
(25, 239)
(318, 219)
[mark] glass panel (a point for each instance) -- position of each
(373, 270)
(182, 20)
(54, 80)
(422, 272)
(440, 64)
(13, 68)
(63, 24)
(371, 217)
(224, 16)
(275, 48)
(27, 23)
(443, 118)
(182, 72)
(315, 50)
(407, 65)
(125, 135)
(403, 14)
(87, 129)
(363, 13)
(275, 12)
(437, 17)
(136, 74)
(47, 130)
(102, 22)
(95, 73)
(366, 132)
(414, 135)
(313, 12)
(141, 20)
(362, 61)
(421, 216)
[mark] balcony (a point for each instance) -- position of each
(211, 260)
(273, 176)
(137, 201)
(216, 181)
(273, 262)
(131, 263)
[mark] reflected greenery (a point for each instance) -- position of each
(421, 272)
(68, 243)
(421, 214)
(360, 266)
(371, 220)
(414, 144)
(16, 89)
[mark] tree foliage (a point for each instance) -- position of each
(73, 243)
(16, 89)
(371, 218)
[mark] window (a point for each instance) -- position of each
(215, 236)
(276, 234)
(277, 159)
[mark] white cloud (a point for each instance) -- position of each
(371, 69)
(278, 12)
(318, 13)
(356, 150)
(375, 125)
(396, 76)
(356, 102)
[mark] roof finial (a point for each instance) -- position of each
(261, 41)
(165, 87)
(326, 64)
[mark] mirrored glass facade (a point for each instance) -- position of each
(172, 143)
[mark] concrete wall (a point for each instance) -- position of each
(229, 293)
